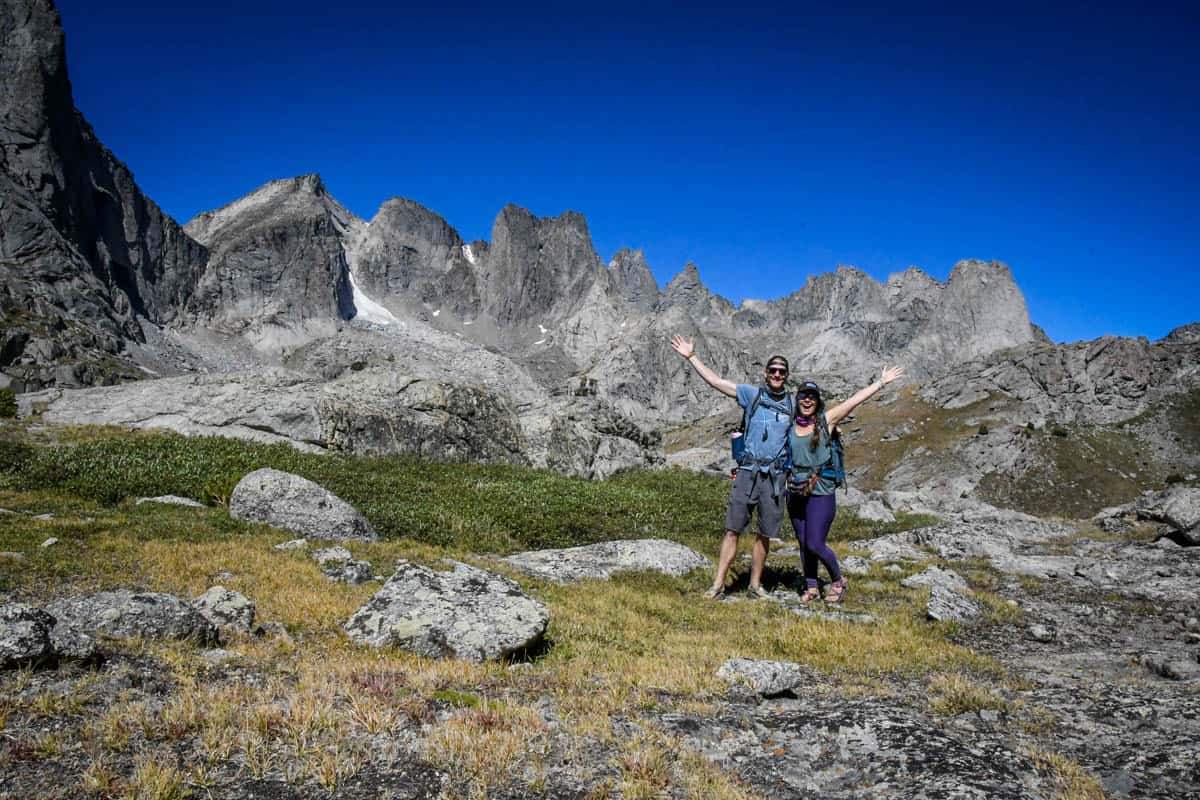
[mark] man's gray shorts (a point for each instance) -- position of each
(752, 489)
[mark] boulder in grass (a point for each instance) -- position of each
(602, 560)
(24, 634)
(297, 504)
(466, 613)
(947, 605)
(767, 678)
(124, 614)
(226, 608)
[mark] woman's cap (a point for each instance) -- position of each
(808, 387)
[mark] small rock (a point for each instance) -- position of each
(50, 542)
(1191, 638)
(170, 499)
(855, 565)
(218, 656)
(352, 572)
(44, 517)
(1192, 624)
(989, 715)
(9, 555)
(24, 634)
(894, 568)
(935, 576)
(223, 577)
(276, 630)
(332, 555)
(766, 678)
(225, 608)
(293, 544)
(1040, 633)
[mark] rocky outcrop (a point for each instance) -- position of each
(297, 504)
(466, 613)
(602, 560)
(84, 254)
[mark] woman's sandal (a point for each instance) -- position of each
(810, 594)
(836, 591)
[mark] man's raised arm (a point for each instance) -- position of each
(687, 351)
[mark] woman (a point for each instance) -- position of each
(811, 502)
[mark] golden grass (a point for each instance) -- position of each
(954, 693)
(1068, 779)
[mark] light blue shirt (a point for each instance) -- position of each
(766, 435)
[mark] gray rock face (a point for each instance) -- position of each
(767, 678)
(225, 608)
(84, 252)
(24, 634)
(947, 605)
(297, 504)
(338, 564)
(632, 280)
(467, 613)
(408, 257)
(125, 614)
(277, 274)
(603, 559)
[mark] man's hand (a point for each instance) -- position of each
(685, 348)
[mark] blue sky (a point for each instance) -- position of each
(763, 142)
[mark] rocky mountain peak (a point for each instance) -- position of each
(843, 296)
(632, 279)
(537, 268)
(273, 203)
(686, 292)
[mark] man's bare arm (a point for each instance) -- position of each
(687, 351)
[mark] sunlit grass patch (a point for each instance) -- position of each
(488, 746)
(955, 693)
(1068, 779)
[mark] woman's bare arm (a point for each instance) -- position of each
(843, 408)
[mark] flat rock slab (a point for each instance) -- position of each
(297, 504)
(602, 560)
(815, 610)
(766, 678)
(466, 613)
(124, 614)
(846, 748)
(171, 500)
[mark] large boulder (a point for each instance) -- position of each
(602, 560)
(947, 605)
(934, 575)
(465, 613)
(124, 614)
(297, 504)
(24, 634)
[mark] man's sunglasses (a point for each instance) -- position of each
(776, 371)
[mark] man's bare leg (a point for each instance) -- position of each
(758, 560)
(728, 551)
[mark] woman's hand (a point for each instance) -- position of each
(685, 348)
(890, 374)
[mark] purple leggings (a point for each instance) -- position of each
(812, 517)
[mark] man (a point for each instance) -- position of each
(761, 478)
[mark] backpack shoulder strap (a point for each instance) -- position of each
(752, 408)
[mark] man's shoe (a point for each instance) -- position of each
(758, 592)
(715, 593)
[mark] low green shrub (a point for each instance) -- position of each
(8, 404)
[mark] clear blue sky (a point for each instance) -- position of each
(763, 142)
